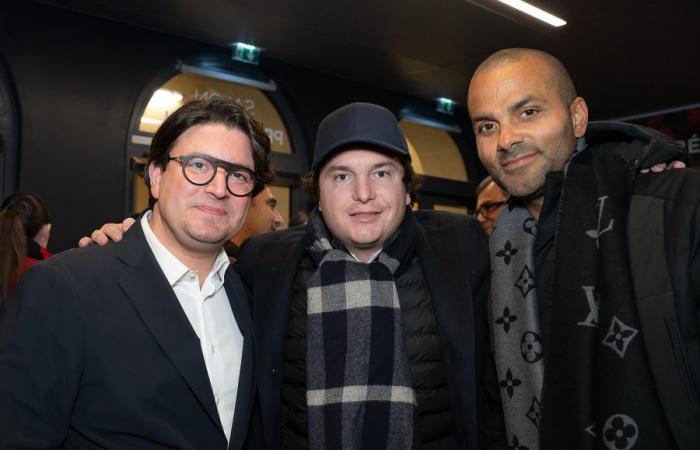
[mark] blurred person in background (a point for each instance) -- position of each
(263, 217)
(25, 229)
(300, 218)
(490, 198)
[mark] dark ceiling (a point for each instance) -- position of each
(626, 56)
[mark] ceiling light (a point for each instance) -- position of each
(166, 100)
(535, 12)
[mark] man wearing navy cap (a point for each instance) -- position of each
(369, 320)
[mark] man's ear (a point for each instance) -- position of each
(579, 116)
(155, 173)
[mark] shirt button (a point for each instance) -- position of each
(216, 399)
(211, 349)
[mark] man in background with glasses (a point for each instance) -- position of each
(146, 343)
(490, 198)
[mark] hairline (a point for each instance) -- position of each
(556, 74)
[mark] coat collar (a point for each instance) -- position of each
(153, 298)
(447, 276)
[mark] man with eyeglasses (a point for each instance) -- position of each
(489, 200)
(146, 343)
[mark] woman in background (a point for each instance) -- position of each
(24, 235)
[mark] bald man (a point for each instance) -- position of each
(594, 300)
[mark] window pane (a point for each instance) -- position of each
(140, 194)
(184, 87)
(451, 208)
(434, 152)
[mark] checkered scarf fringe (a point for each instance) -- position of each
(359, 391)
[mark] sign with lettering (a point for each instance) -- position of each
(185, 87)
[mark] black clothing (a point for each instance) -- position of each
(433, 420)
(96, 352)
(663, 234)
(452, 255)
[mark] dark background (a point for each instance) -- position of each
(76, 70)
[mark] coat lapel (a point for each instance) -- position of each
(446, 273)
(238, 298)
(153, 298)
(273, 289)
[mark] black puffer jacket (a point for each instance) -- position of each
(434, 427)
(452, 251)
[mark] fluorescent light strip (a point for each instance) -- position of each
(535, 12)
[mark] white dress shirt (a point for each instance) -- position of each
(210, 315)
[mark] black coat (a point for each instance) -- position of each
(453, 252)
(663, 237)
(96, 352)
(664, 241)
(663, 234)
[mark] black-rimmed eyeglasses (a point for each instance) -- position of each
(200, 169)
(489, 207)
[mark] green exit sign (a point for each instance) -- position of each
(246, 53)
(446, 106)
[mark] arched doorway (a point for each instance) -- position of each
(188, 80)
(439, 153)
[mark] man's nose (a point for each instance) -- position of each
(508, 136)
(277, 219)
(218, 185)
(363, 189)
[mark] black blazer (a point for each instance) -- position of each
(96, 351)
(453, 252)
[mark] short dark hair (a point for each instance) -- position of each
(215, 109)
(411, 180)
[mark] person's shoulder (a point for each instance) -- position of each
(94, 261)
(467, 231)
(430, 218)
(679, 185)
(292, 234)
(261, 246)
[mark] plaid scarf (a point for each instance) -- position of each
(359, 392)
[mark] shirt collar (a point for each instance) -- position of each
(172, 267)
(371, 258)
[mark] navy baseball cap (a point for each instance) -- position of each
(361, 124)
